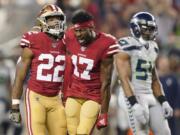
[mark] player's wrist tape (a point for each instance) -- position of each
(161, 99)
(132, 100)
(15, 101)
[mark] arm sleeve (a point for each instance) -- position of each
(126, 46)
(26, 40)
(111, 49)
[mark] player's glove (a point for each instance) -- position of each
(139, 113)
(15, 116)
(102, 121)
(167, 110)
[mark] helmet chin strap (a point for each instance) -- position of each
(93, 34)
(53, 32)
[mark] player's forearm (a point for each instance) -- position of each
(105, 95)
(158, 91)
(17, 88)
(124, 71)
(156, 85)
(106, 72)
(126, 87)
(114, 80)
(157, 88)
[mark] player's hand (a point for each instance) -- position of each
(102, 121)
(15, 116)
(139, 113)
(167, 110)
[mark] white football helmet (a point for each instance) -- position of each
(51, 10)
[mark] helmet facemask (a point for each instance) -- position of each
(54, 27)
(148, 31)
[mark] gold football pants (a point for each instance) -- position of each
(44, 114)
(81, 115)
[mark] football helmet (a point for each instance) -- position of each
(143, 26)
(51, 10)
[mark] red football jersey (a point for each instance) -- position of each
(85, 79)
(48, 63)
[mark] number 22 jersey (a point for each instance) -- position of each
(48, 62)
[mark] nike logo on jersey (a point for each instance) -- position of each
(54, 45)
(83, 48)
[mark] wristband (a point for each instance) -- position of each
(132, 100)
(161, 99)
(15, 101)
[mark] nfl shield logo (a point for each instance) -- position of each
(54, 45)
(83, 48)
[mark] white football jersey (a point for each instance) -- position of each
(143, 59)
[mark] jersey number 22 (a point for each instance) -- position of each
(54, 77)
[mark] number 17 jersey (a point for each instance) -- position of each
(142, 60)
(86, 61)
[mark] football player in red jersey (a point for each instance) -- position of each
(88, 91)
(43, 54)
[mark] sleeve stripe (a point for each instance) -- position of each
(23, 44)
(26, 41)
(113, 51)
(63, 40)
(130, 48)
(114, 46)
(126, 46)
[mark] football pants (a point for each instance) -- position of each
(81, 115)
(44, 114)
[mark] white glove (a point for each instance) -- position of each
(167, 110)
(139, 113)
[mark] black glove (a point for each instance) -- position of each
(15, 116)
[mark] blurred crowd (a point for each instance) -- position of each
(111, 16)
